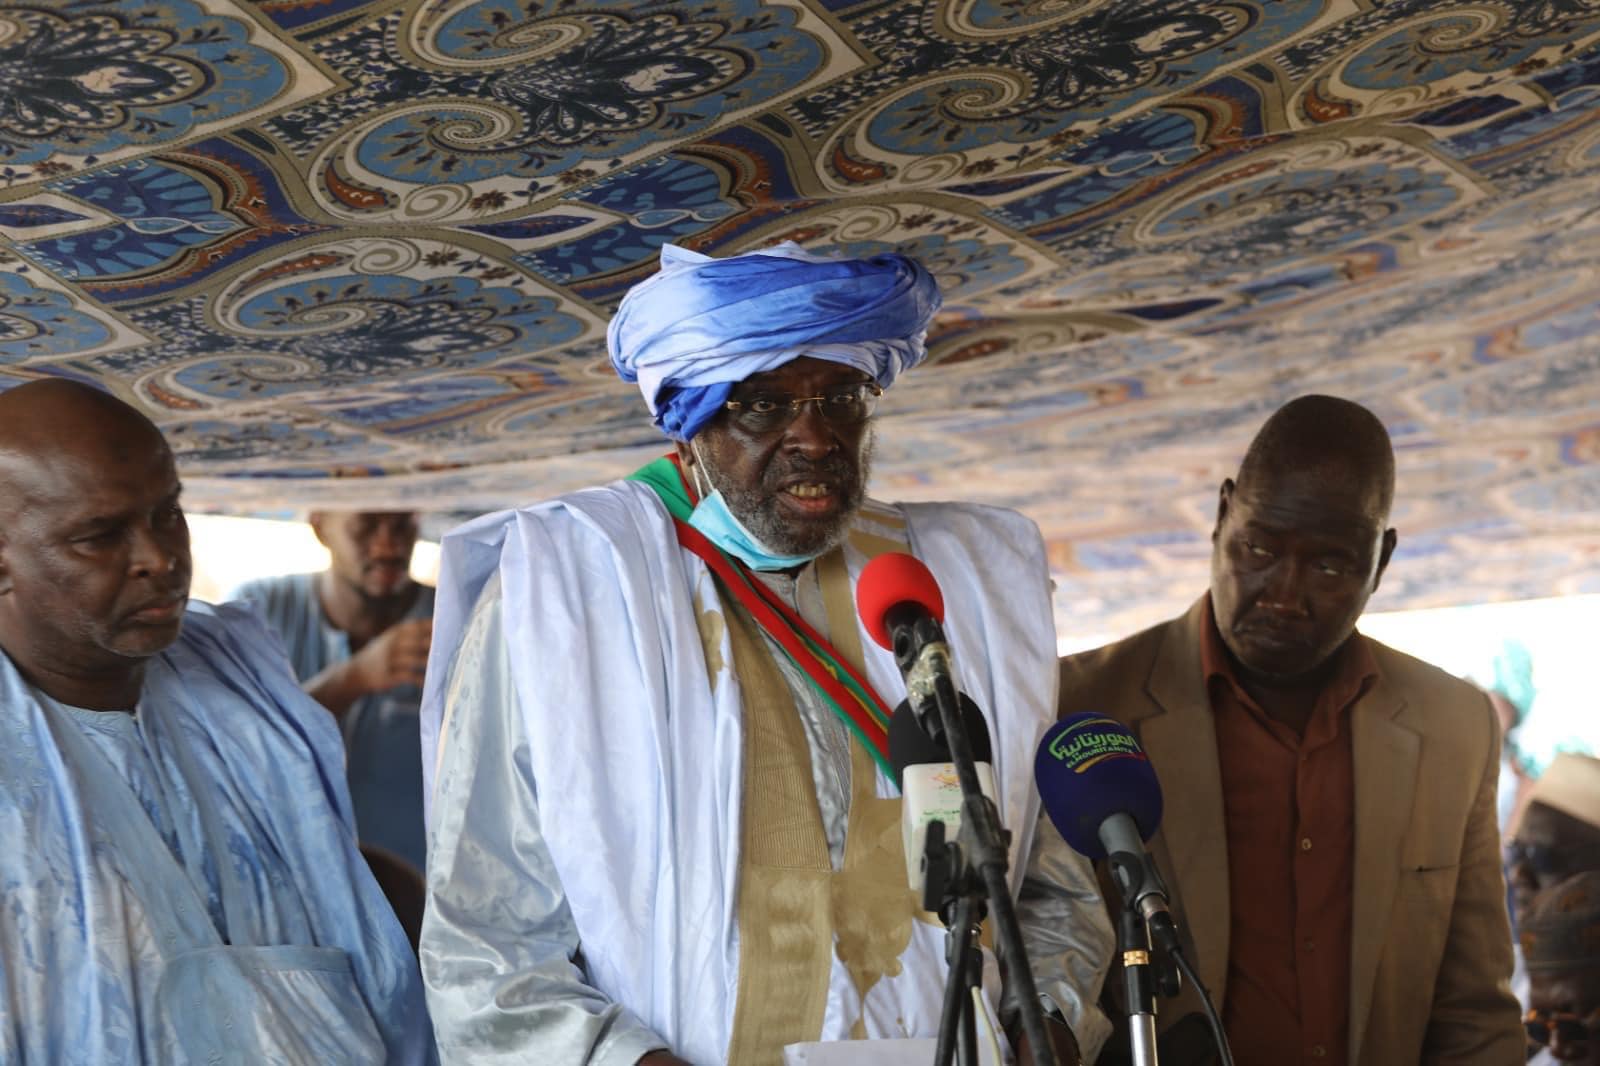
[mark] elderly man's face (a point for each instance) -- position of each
(1549, 846)
(369, 550)
(94, 562)
(1293, 563)
(796, 487)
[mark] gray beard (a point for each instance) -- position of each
(756, 509)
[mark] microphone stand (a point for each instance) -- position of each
(924, 659)
(1133, 940)
(1135, 873)
(949, 884)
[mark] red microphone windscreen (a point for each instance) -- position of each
(892, 579)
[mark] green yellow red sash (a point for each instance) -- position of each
(847, 691)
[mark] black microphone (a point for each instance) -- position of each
(1102, 794)
(910, 745)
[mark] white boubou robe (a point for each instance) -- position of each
(635, 682)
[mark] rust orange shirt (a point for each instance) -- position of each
(1289, 803)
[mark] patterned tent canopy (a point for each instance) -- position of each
(361, 252)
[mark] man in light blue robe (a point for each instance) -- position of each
(661, 825)
(180, 882)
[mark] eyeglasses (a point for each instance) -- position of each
(1543, 1026)
(845, 405)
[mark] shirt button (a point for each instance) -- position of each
(1305, 843)
(1311, 945)
(1319, 1052)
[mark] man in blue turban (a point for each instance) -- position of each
(663, 827)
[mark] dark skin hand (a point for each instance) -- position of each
(399, 656)
(662, 1058)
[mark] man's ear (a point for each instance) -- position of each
(685, 453)
(1390, 539)
(1224, 498)
(315, 520)
(5, 570)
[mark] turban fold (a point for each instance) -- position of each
(690, 332)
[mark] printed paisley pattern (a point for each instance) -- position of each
(365, 251)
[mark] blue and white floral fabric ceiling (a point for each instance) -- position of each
(354, 253)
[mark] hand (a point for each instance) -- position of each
(1062, 1042)
(661, 1058)
(397, 656)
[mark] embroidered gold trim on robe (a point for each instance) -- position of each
(784, 869)
(794, 912)
(872, 907)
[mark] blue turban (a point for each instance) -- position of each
(690, 332)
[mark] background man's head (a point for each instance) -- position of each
(1560, 938)
(94, 549)
(1558, 834)
(1301, 538)
(370, 551)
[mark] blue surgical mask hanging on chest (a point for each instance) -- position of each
(712, 517)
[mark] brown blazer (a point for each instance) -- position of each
(1430, 952)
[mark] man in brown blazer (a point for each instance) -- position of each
(1329, 837)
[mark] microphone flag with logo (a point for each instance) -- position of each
(1090, 768)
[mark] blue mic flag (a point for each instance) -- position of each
(1090, 767)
